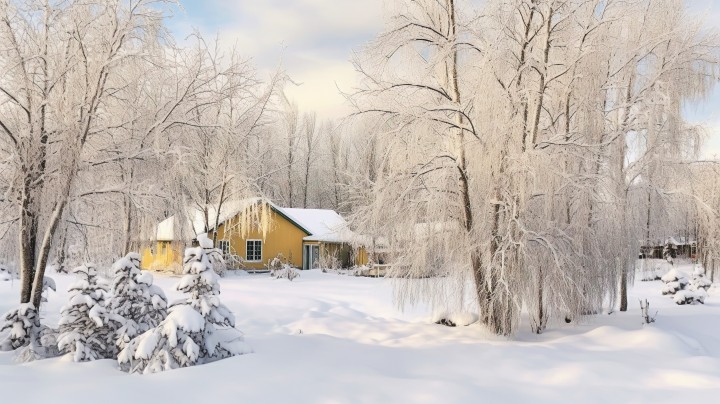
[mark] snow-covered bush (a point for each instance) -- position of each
(329, 262)
(86, 327)
(671, 288)
(21, 323)
(684, 292)
(140, 304)
(25, 334)
(276, 263)
(673, 276)
(674, 282)
(197, 330)
(455, 318)
(699, 281)
(361, 270)
(24, 331)
(368, 271)
(281, 269)
(690, 297)
(286, 271)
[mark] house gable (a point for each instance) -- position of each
(283, 238)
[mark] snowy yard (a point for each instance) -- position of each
(328, 338)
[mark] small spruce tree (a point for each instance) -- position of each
(215, 255)
(197, 330)
(25, 334)
(86, 328)
(140, 304)
(21, 324)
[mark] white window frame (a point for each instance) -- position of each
(247, 257)
(226, 250)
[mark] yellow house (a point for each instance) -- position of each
(254, 232)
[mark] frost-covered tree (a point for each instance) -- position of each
(60, 63)
(86, 329)
(135, 302)
(518, 139)
(197, 330)
(706, 176)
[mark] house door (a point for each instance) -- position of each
(311, 256)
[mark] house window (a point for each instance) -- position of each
(254, 251)
(163, 248)
(224, 246)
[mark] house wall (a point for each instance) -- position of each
(165, 255)
(346, 255)
(282, 238)
(361, 256)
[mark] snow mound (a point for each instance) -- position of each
(457, 318)
(674, 276)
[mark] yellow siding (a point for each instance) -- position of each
(361, 256)
(345, 254)
(167, 256)
(282, 238)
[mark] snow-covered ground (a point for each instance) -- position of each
(326, 338)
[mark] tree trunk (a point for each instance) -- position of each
(44, 250)
(127, 226)
(28, 232)
(623, 193)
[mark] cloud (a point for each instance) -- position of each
(314, 39)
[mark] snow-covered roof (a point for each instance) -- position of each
(195, 217)
(322, 224)
(166, 230)
(679, 241)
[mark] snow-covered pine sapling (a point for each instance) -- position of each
(25, 332)
(86, 328)
(699, 281)
(684, 292)
(140, 304)
(197, 330)
(215, 255)
(22, 325)
(683, 297)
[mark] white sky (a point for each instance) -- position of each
(316, 38)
